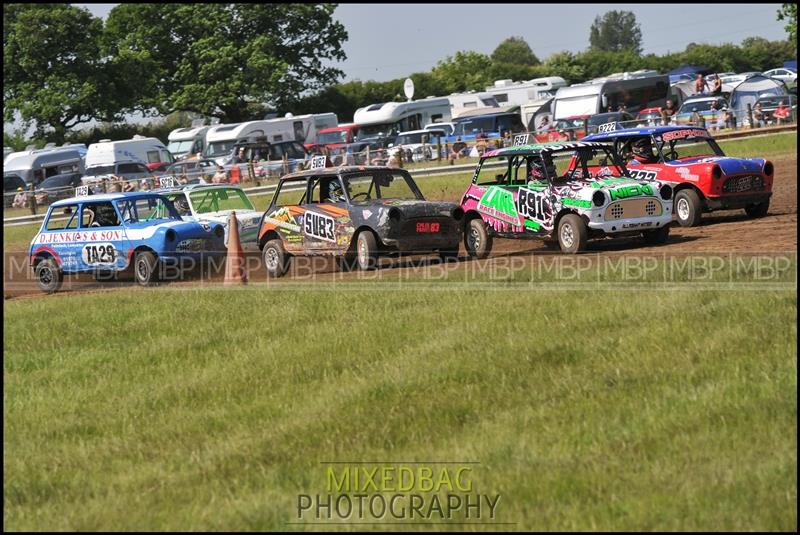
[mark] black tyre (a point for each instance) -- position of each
(572, 234)
(276, 260)
(366, 251)
(477, 240)
(48, 275)
(757, 210)
(144, 268)
(657, 236)
(688, 208)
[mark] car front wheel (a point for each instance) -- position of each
(48, 276)
(367, 251)
(275, 258)
(688, 208)
(572, 234)
(757, 210)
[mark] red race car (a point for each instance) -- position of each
(704, 178)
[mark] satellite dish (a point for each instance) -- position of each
(408, 88)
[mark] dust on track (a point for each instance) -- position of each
(720, 232)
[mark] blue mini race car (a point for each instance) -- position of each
(110, 233)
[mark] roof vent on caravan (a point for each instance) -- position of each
(30, 147)
(137, 136)
(49, 145)
(288, 115)
(197, 123)
(104, 141)
(376, 106)
(503, 83)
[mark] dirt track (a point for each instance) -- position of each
(720, 232)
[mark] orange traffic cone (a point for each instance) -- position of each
(234, 263)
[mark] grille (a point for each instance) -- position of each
(633, 208)
(739, 184)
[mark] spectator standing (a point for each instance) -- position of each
(545, 125)
(716, 90)
(667, 112)
(220, 177)
(700, 85)
(239, 157)
(758, 116)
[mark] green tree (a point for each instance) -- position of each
(515, 50)
(616, 30)
(231, 61)
(53, 71)
(465, 71)
(788, 12)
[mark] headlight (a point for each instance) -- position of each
(716, 173)
(458, 213)
(395, 214)
(599, 198)
(170, 235)
(219, 232)
(666, 192)
(768, 169)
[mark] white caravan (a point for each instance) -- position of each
(471, 100)
(510, 93)
(390, 118)
(140, 149)
(187, 142)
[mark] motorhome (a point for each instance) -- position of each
(597, 97)
(187, 142)
(390, 118)
(492, 122)
(33, 166)
(510, 93)
(471, 100)
(140, 149)
(221, 139)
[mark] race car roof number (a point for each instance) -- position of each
(318, 162)
(608, 127)
(521, 139)
(82, 191)
(167, 181)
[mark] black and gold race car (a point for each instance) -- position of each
(357, 214)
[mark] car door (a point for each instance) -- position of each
(103, 241)
(326, 217)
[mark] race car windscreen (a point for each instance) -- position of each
(687, 144)
(383, 185)
(586, 163)
(146, 209)
(219, 199)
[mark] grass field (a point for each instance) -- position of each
(587, 410)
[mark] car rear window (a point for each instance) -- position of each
(63, 218)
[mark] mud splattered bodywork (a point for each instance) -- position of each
(322, 211)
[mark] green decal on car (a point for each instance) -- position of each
(500, 203)
(578, 203)
(630, 191)
(609, 182)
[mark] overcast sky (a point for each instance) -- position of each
(388, 41)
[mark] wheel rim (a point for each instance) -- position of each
(362, 251)
(272, 259)
(683, 208)
(474, 239)
(567, 237)
(142, 269)
(46, 276)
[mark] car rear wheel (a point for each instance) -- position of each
(572, 234)
(48, 275)
(144, 268)
(367, 251)
(275, 258)
(477, 240)
(688, 208)
(757, 210)
(654, 237)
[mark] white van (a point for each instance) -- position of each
(187, 142)
(147, 150)
(390, 118)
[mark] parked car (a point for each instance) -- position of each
(707, 108)
(562, 193)
(270, 155)
(110, 233)
(57, 187)
(786, 75)
(704, 178)
(192, 169)
(127, 171)
(356, 214)
(598, 119)
(213, 203)
(420, 145)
